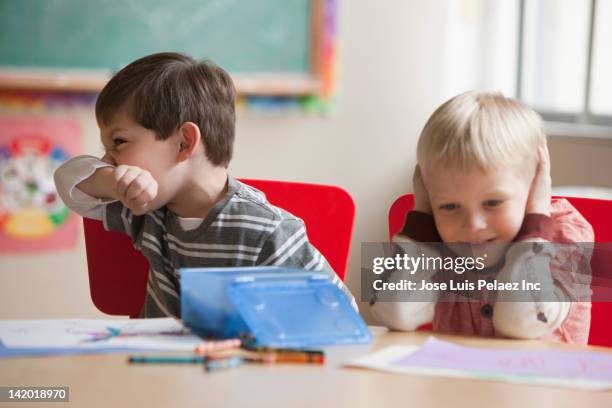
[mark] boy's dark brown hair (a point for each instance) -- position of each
(163, 91)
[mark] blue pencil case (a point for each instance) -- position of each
(205, 306)
(278, 307)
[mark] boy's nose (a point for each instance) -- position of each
(474, 223)
(108, 158)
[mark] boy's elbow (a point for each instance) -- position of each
(519, 320)
(517, 327)
(60, 185)
(398, 315)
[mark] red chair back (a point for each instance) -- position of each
(598, 214)
(118, 272)
(327, 211)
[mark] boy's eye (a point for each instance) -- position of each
(492, 203)
(449, 207)
(118, 141)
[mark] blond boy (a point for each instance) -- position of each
(483, 181)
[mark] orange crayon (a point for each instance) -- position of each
(286, 356)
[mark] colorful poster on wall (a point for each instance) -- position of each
(32, 216)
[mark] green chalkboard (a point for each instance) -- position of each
(243, 36)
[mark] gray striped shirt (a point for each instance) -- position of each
(243, 229)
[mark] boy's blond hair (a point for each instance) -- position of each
(480, 130)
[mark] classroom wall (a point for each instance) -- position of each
(50, 284)
(391, 77)
(581, 160)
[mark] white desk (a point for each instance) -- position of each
(107, 380)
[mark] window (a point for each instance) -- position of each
(601, 77)
(556, 55)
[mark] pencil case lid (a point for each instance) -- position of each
(205, 307)
(299, 313)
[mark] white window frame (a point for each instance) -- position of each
(586, 119)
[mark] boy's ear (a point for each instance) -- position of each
(188, 140)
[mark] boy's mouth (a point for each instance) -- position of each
(476, 244)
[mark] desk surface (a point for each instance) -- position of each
(106, 380)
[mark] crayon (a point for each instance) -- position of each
(167, 360)
(253, 347)
(283, 350)
(214, 346)
(298, 357)
(222, 354)
(226, 363)
(285, 356)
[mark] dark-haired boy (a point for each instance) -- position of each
(167, 125)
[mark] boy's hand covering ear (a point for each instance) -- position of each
(421, 197)
(135, 188)
(540, 192)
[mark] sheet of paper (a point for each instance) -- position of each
(154, 334)
(577, 369)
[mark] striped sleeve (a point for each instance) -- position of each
(288, 246)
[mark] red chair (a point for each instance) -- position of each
(118, 272)
(597, 213)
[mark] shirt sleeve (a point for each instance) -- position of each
(571, 270)
(534, 258)
(288, 245)
(408, 314)
(517, 317)
(536, 227)
(114, 215)
(420, 226)
(71, 173)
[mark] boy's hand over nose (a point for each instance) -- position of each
(540, 192)
(136, 188)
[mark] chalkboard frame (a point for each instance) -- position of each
(314, 82)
